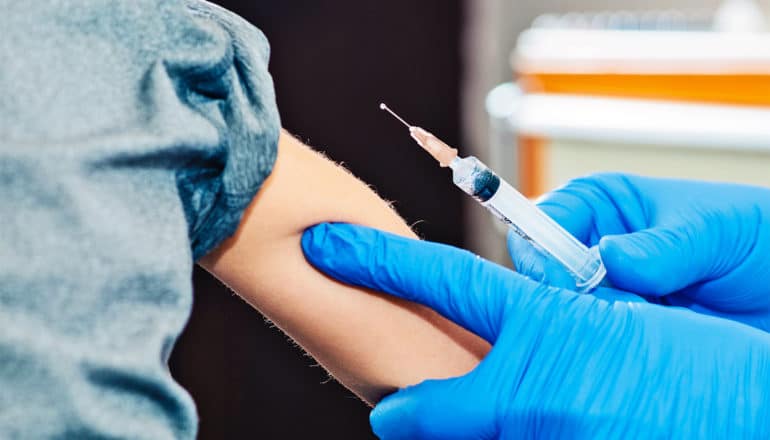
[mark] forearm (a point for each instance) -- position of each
(371, 343)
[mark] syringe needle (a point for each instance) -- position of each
(385, 107)
(442, 152)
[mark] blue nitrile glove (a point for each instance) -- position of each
(701, 245)
(563, 365)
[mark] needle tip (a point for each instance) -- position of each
(385, 108)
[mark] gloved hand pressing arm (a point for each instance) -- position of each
(563, 365)
(701, 245)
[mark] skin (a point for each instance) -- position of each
(371, 343)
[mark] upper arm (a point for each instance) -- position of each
(370, 342)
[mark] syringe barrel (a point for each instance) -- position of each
(527, 220)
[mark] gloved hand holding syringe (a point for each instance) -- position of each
(510, 206)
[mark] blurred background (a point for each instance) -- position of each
(543, 91)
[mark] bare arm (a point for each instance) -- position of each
(370, 343)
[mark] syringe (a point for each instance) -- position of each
(510, 206)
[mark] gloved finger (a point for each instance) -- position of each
(662, 260)
(758, 318)
(536, 265)
(614, 295)
(434, 409)
(596, 205)
(588, 208)
(458, 284)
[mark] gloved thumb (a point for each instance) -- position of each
(661, 260)
(536, 265)
(434, 409)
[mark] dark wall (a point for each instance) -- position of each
(332, 62)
